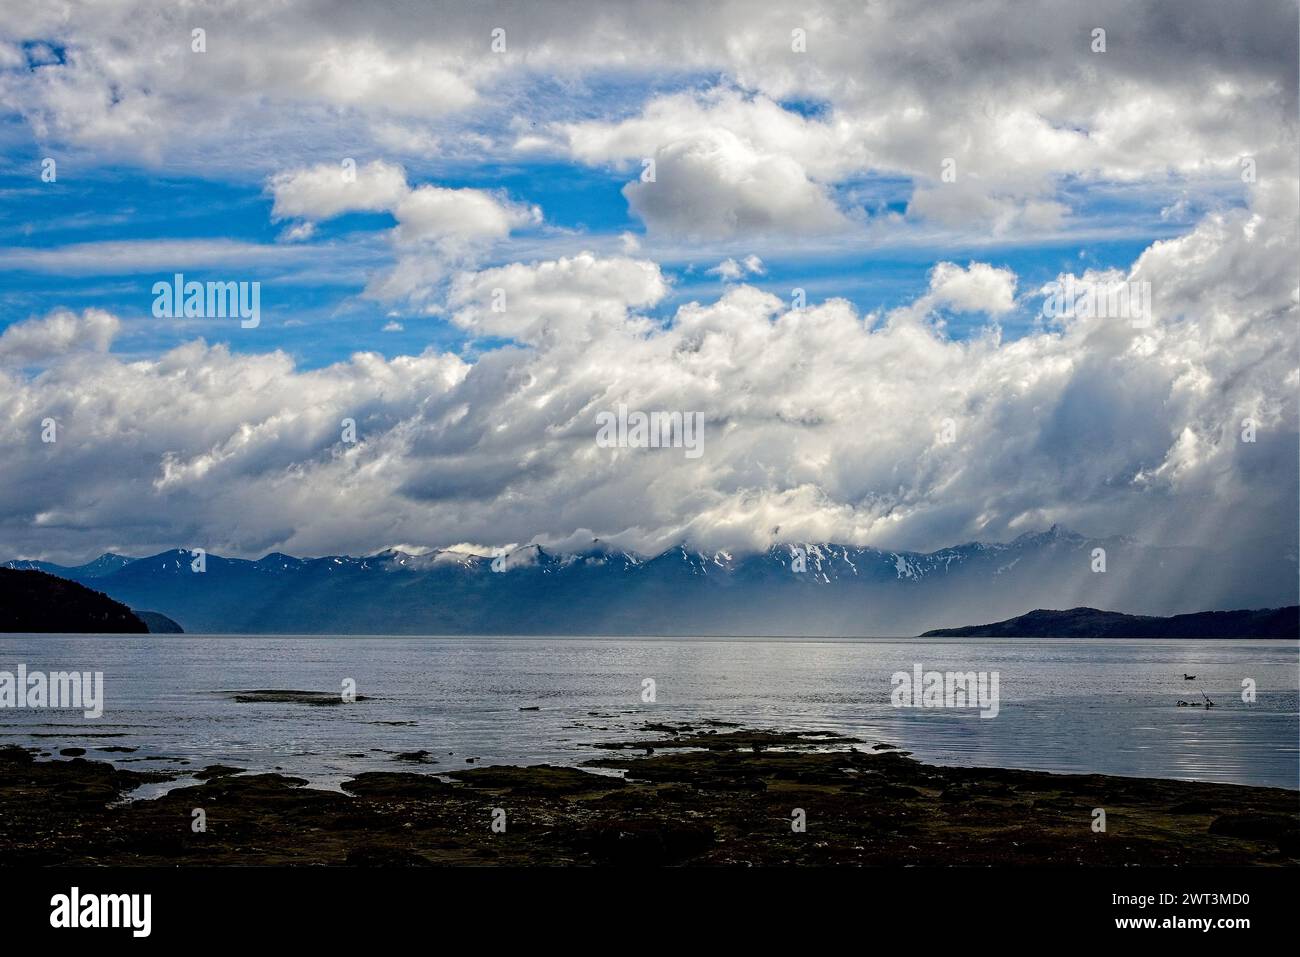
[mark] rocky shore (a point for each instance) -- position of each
(694, 795)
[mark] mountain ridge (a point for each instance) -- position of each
(842, 590)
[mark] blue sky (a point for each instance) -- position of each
(316, 312)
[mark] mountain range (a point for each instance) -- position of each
(789, 589)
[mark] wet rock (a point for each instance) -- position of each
(725, 806)
(282, 696)
(266, 790)
(386, 784)
(216, 771)
(542, 779)
(1280, 829)
(416, 757)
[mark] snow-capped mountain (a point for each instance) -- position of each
(808, 588)
(105, 564)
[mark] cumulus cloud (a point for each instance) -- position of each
(725, 164)
(428, 213)
(824, 149)
(977, 288)
(762, 142)
(59, 333)
(819, 423)
(328, 189)
(436, 227)
(573, 298)
(1031, 106)
(458, 216)
(715, 186)
(131, 83)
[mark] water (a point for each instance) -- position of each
(1066, 705)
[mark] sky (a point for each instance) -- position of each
(829, 230)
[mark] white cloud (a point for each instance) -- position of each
(458, 216)
(11, 55)
(1018, 101)
(729, 270)
(331, 189)
(980, 204)
(144, 255)
(569, 299)
(297, 232)
(825, 150)
(715, 186)
(57, 334)
(364, 72)
(821, 421)
(405, 139)
(978, 288)
(437, 228)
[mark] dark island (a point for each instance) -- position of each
(1094, 623)
(39, 603)
(158, 623)
(705, 796)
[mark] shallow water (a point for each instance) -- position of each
(1065, 705)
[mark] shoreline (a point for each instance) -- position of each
(696, 635)
(704, 793)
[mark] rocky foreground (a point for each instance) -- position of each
(697, 795)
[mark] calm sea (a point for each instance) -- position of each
(1065, 705)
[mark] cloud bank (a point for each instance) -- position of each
(820, 423)
(771, 130)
